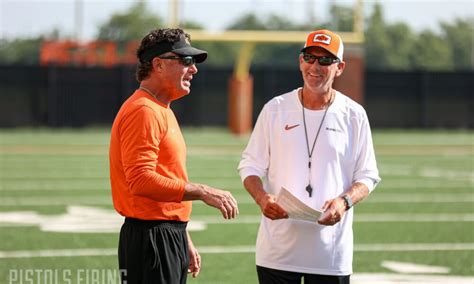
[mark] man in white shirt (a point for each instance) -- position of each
(316, 143)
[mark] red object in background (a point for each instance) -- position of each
(94, 53)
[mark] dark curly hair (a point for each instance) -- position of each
(151, 40)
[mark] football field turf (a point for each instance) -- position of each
(57, 219)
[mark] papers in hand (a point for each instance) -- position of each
(295, 208)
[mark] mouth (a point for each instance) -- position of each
(314, 75)
(187, 81)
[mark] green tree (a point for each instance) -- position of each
(459, 36)
(279, 53)
(219, 53)
(247, 22)
(431, 52)
(270, 54)
(25, 51)
(401, 46)
(191, 25)
(377, 42)
(279, 23)
(131, 25)
(342, 17)
(388, 46)
(396, 47)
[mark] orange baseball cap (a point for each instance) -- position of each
(327, 40)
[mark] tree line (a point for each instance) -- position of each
(388, 46)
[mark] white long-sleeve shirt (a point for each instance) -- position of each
(277, 152)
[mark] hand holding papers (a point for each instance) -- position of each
(295, 208)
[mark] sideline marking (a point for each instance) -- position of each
(378, 198)
(83, 219)
(409, 268)
(414, 247)
(387, 278)
(358, 218)
(236, 249)
(77, 219)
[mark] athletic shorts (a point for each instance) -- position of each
(153, 252)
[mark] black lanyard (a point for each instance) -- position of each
(309, 189)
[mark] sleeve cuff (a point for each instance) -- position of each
(370, 183)
(181, 186)
(246, 172)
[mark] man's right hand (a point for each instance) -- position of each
(266, 201)
(220, 199)
(270, 208)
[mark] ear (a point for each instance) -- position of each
(340, 68)
(301, 60)
(157, 64)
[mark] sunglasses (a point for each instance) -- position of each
(185, 60)
(322, 60)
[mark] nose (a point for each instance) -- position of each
(193, 69)
(316, 65)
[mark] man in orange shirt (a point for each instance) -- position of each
(150, 186)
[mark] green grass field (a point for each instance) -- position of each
(421, 214)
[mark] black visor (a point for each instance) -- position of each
(181, 47)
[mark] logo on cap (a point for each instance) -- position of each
(322, 38)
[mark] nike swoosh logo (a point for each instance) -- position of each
(287, 127)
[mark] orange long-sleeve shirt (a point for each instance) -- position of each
(148, 161)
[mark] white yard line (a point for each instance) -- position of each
(387, 185)
(414, 247)
(237, 249)
(403, 217)
(242, 199)
(98, 220)
(392, 278)
(54, 201)
(422, 198)
(427, 172)
(57, 253)
(374, 217)
(414, 268)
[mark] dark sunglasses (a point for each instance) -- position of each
(322, 60)
(185, 60)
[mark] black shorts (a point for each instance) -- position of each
(274, 276)
(153, 252)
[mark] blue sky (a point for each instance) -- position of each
(23, 18)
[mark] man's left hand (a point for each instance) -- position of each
(334, 210)
(194, 261)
